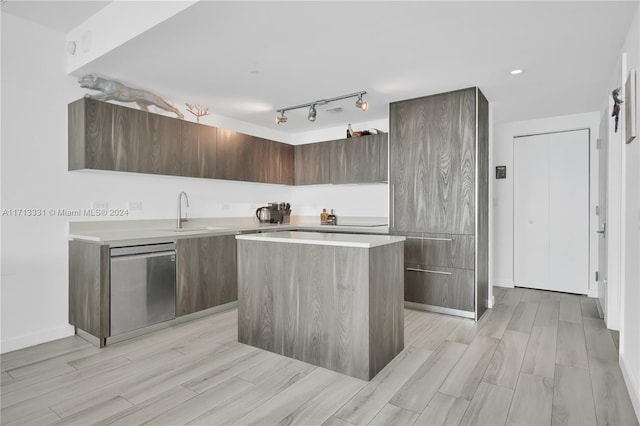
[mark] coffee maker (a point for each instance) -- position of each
(277, 212)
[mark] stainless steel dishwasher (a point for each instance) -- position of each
(143, 286)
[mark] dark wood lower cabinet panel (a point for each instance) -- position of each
(89, 287)
(445, 287)
(450, 250)
(336, 307)
(206, 273)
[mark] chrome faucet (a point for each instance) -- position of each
(186, 199)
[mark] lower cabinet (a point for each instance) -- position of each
(451, 288)
(439, 271)
(206, 273)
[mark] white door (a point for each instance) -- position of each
(551, 211)
(603, 154)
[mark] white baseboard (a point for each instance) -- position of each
(20, 342)
(503, 283)
(633, 387)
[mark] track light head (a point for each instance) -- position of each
(363, 105)
(312, 113)
(281, 119)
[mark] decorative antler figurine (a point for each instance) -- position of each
(198, 110)
(616, 107)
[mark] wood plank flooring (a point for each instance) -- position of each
(537, 358)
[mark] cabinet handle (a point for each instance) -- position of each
(429, 271)
(393, 206)
(429, 238)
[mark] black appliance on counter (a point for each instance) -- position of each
(277, 212)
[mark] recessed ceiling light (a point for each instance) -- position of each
(514, 72)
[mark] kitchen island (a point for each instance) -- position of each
(332, 300)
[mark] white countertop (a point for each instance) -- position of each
(120, 233)
(315, 238)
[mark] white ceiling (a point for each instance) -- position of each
(62, 16)
(246, 59)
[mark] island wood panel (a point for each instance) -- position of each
(433, 163)
(232, 155)
(451, 288)
(313, 303)
(334, 308)
(482, 209)
(386, 306)
(89, 288)
(206, 273)
(456, 251)
(312, 163)
(198, 150)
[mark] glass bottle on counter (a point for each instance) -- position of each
(332, 219)
(324, 216)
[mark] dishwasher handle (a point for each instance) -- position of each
(150, 248)
(145, 256)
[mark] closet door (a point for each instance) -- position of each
(531, 211)
(569, 212)
(551, 211)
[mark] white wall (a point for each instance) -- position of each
(502, 229)
(35, 93)
(630, 291)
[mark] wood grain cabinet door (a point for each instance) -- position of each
(358, 160)
(312, 163)
(232, 155)
(432, 157)
(438, 286)
(206, 273)
(198, 150)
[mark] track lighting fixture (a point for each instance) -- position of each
(360, 103)
(312, 113)
(282, 118)
(363, 105)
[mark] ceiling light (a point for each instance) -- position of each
(360, 103)
(515, 72)
(281, 119)
(363, 105)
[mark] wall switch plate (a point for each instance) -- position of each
(135, 205)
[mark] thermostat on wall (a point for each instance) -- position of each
(501, 172)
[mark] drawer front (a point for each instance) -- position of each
(445, 287)
(453, 251)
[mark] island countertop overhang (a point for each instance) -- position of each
(326, 239)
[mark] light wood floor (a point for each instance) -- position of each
(536, 358)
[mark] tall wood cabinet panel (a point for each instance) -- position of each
(206, 273)
(432, 174)
(438, 156)
(199, 148)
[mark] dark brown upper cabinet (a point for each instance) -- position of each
(313, 163)
(341, 161)
(110, 137)
(106, 136)
(359, 160)
(199, 145)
